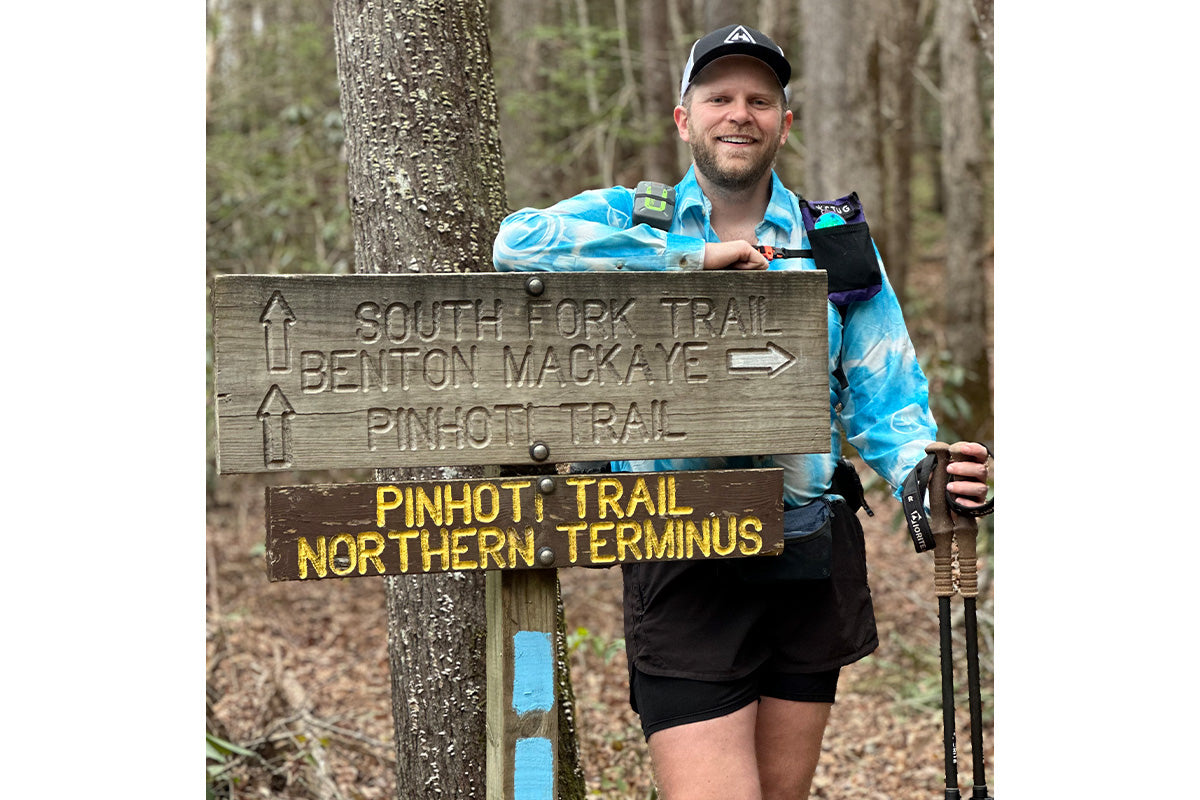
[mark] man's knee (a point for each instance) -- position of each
(788, 745)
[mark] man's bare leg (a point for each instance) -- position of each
(788, 737)
(708, 760)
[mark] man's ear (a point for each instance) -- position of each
(786, 127)
(681, 118)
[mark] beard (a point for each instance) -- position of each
(736, 174)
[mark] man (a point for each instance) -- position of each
(734, 676)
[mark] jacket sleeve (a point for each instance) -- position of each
(885, 403)
(590, 231)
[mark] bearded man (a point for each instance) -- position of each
(733, 674)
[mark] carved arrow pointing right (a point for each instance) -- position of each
(769, 360)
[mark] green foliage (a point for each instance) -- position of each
(597, 645)
(949, 405)
(276, 178)
(559, 115)
(275, 169)
(219, 757)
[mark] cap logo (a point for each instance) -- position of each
(740, 34)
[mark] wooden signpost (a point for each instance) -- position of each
(317, 372)
(355, 371)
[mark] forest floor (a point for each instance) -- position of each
(298, 676)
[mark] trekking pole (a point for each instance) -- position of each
(965, 532)
(943, 587)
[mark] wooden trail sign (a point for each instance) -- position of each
(358, 371)
(514, 523)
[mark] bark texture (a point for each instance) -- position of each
(426, 187)
(840, 120)
(963, 175)
(424, 163)
(426, 182)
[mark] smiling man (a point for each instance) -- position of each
(734, 665)
(734, 117)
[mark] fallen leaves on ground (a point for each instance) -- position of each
(298, 677)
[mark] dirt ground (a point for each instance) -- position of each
(298, 676)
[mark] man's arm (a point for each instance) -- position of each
(593, 232)
(885, 406)
(885, 403)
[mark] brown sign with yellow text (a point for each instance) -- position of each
(588, 519)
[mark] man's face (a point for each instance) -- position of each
(734, 122)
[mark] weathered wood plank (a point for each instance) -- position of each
(522, 714)
(356, 371)
(520, 523)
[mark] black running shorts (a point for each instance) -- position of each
(700, 621)
(666, 702)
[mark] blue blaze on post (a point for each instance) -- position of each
(533, 774)
(533, 692)
(533, 672)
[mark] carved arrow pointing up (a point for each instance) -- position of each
(770, 360)
(276, 318)
(276, 412)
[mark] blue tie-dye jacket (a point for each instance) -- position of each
(884, 410)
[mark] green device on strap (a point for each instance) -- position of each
(654, 204)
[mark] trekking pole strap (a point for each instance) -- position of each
(913, 500)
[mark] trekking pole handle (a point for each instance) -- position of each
(940, 522)
(965, 532)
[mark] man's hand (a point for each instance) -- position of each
(738, 254)
(971, 491)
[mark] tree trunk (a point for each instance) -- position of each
(987, 27)
(422, 144)
(898, 53)
(660, 93)
(963, 168)
(840, 119)
(427, 194)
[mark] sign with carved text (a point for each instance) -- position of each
(451, 369)
(582, 519)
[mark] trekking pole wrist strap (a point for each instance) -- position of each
(912, 497)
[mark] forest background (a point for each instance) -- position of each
(586, 92)
(1091, 120)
